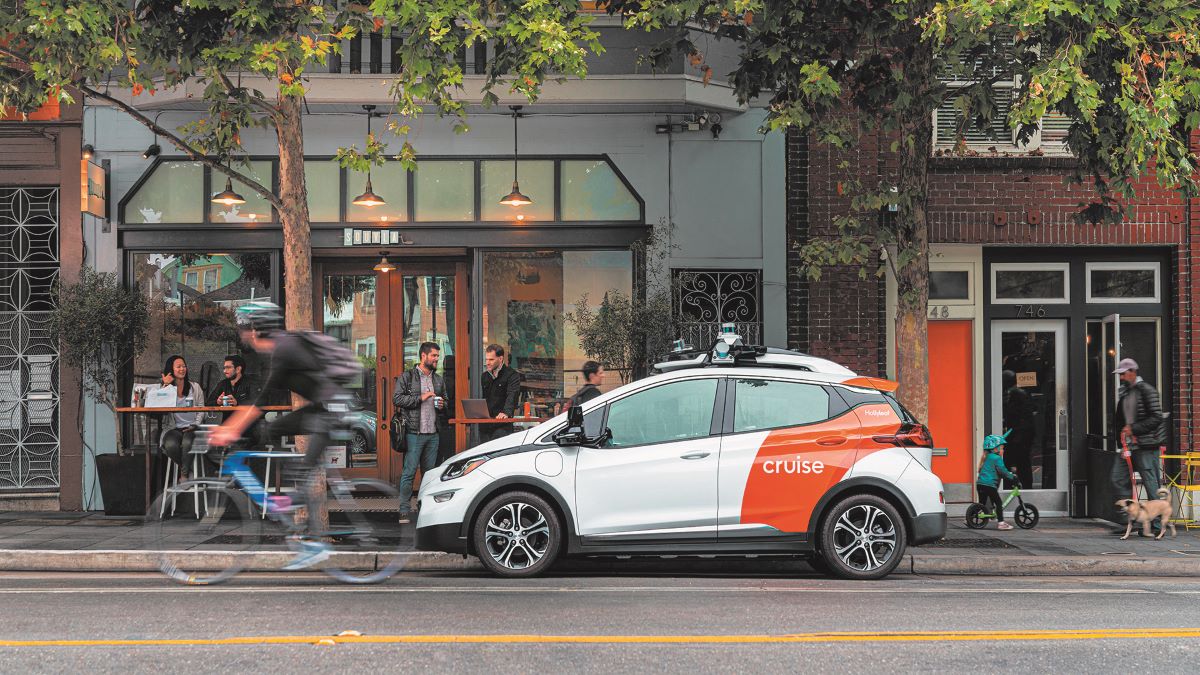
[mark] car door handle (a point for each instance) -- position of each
(831, 440)
(695, 455)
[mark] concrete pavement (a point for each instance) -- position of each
(1058, 546)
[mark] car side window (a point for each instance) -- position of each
(771, 404)
(675, 411)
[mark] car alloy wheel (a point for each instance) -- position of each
(863, 537)
(517, 534)
(358, 445)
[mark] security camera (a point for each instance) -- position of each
(702, 119)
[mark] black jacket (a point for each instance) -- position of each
(245, 391)
(586, 393)
(1148, 425)
(407, 399)
(501, 391)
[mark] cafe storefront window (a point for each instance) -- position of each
(192, 297)
(526, 297)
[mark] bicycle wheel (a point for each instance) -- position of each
(205, 548)
(363, 532)
(1026, 516)
(976, 517)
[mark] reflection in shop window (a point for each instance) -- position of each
(169, 195)
(1019, 282)
(526, 297)
(1122, 282)
(192, 297)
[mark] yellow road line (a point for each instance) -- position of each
(826, 637)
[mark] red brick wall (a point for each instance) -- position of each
(842, 317)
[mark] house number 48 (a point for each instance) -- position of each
(939, 312)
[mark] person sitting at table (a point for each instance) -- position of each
(176, 441)
(236, 388)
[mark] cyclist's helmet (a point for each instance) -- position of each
(260, 316)
(992, 441)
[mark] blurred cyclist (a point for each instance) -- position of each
(293, 367)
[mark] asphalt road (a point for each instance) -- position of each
(640, 622)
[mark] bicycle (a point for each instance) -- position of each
(236, 509)
(1026, 515)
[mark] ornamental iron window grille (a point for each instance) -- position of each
(705, 299)
(29, 377)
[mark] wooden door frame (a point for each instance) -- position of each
(389, 301)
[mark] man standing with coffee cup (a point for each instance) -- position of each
(421, 395)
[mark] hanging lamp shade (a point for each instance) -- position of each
(515, 198)
(384, 265)
(227, 196)
(368, 198)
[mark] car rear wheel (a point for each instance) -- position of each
(863, 537)
(517, 534)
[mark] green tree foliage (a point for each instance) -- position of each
(252, 57)
(842, 71)
(100, 327)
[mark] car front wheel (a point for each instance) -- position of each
(517, 534)
(863, 537)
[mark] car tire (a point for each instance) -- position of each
(863, 537)
(517, 534)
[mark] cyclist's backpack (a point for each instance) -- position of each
(339, 364)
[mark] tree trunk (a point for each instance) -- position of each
(912, 268)
(297, 245)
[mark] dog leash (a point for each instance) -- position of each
(1129, 463)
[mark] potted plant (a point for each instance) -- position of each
(100, 327)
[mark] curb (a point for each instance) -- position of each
(424, 561)
(1050, 566)
(260, 561)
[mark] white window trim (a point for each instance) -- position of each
(1105, 266)
(1013, 147)
(1063, 267)
(969, 268)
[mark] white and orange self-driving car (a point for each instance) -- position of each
(734, 450)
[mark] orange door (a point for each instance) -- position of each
(951, 409)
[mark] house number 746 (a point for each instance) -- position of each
(1031, 311)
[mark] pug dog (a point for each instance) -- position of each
(1145, 513)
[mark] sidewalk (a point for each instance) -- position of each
(54, 541)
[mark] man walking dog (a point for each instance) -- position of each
(1142, 430)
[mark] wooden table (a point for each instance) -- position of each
(152, 468)
(506, 420)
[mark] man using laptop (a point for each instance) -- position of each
(501, 387)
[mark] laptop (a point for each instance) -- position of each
(475, 409)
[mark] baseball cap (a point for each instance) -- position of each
(1124, 365)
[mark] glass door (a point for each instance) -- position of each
(426, 300)
(353, 311)
(1029, 397)
(1109, 340)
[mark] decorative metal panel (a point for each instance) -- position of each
(29, 378)
(707, 299)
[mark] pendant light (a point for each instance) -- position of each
(515, 198)
(368, 198)
(384, 265)
(227, 196)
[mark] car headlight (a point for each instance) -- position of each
(463, 467)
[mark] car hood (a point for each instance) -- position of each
(510, 441)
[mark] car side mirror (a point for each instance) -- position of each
(572, 434)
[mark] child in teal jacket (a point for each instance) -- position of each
(990, 471)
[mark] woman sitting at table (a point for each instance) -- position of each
(176, 441)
